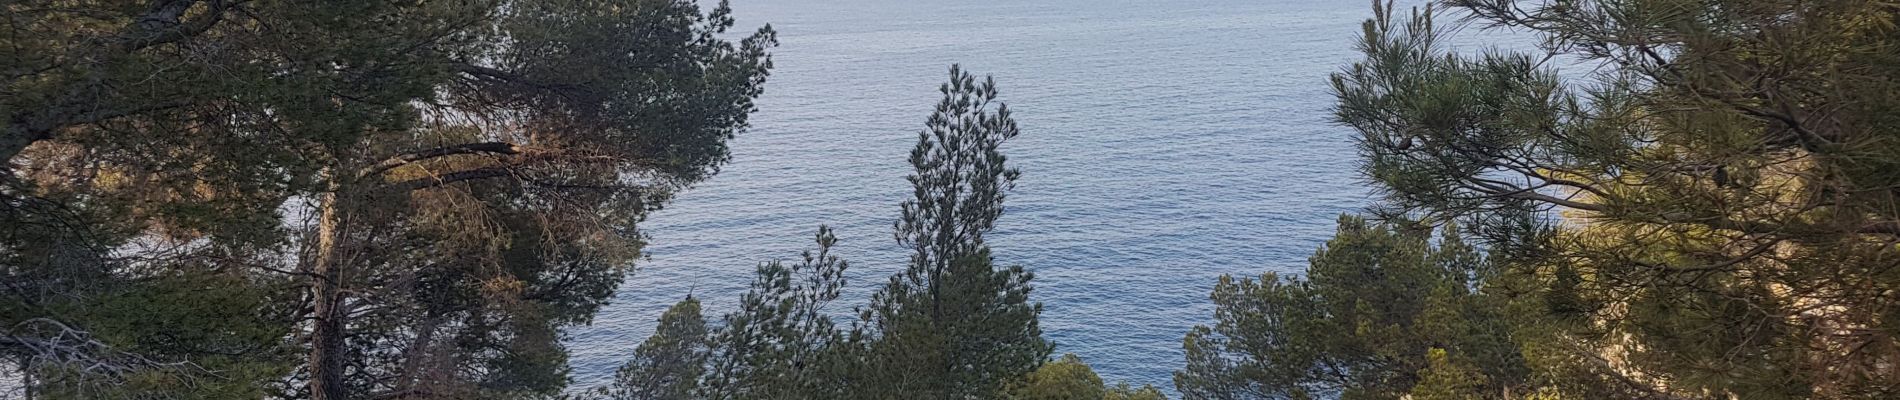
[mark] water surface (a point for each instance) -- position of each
(1164, 143)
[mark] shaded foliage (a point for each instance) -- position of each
(953, 325)
(782, 343)
(1068, 378)
(669, 364)
(1380, 312)
(418, 196)
(1709, 214)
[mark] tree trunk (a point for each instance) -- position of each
(26, 378)
(326, 338)
(418, 360)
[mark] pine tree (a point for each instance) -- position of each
(952, 325)
(1709, 213)
(1445, 379)
(416, 196)
(1065, 378)
(1122, 391)
(1068, 378)
(1376, 304)
(669, 364)
(781, 343)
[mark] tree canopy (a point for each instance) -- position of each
(1380, 313)
(414, 199)
(345, 199)
(1068, 378)
(1708, 213)
(953, 324)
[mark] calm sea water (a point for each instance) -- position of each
(1164, 143)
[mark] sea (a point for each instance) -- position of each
(1164, 143)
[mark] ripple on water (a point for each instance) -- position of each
(1164, 144)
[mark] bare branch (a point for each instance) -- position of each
(448, 178)
(399, 160)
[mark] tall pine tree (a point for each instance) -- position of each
(953, 325)
(414, 198)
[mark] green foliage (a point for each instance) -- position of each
(781, 343)
(1444, 379)
(155, 145)
(1068, 378)
(1376, 305)
(419, 196)
(510, 212)
(220, 323)
(605, 58)
(1709, 214)
(669, 364)
(1122, 391)
(953, 325)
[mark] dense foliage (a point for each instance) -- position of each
(1379, 312)
(1710, 213)
(412, 199)
(669, 364)
(349, 199)
(953, 325)
(1068, 378)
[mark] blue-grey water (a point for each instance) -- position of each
(1164, 143)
